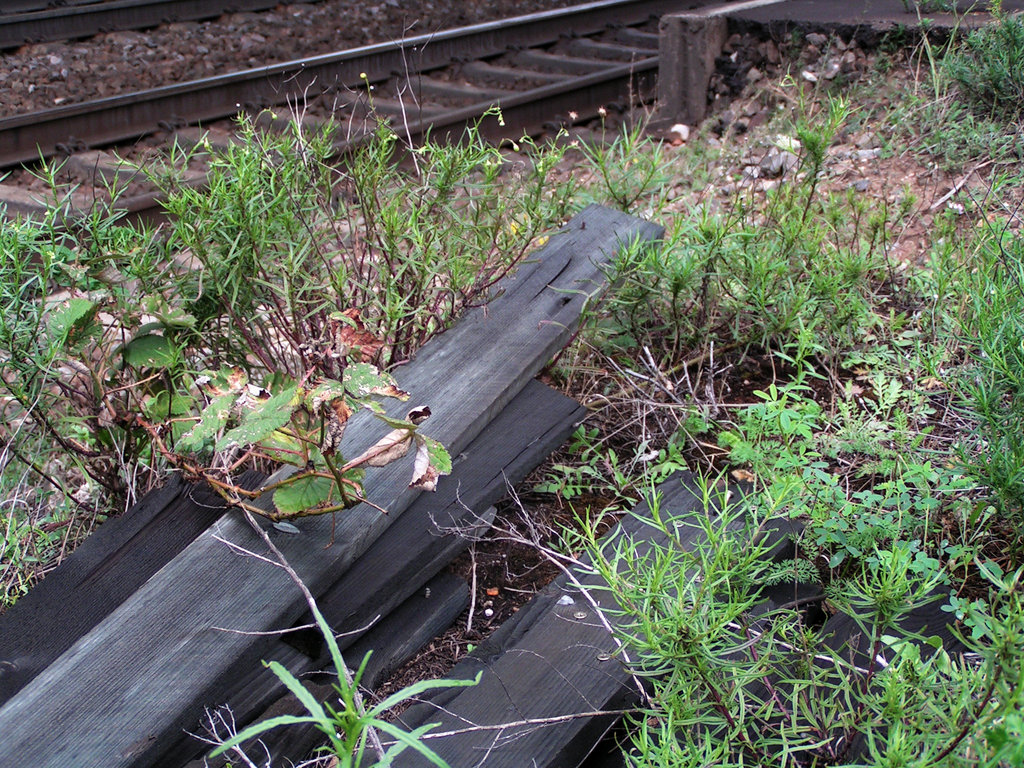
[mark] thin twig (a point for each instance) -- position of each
(472, 587)
(277, 632)
(282, 562)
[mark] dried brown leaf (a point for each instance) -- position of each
(348, 333)
(336, 416)
(394, 445)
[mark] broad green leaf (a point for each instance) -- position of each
(362, 380)
(305, 493)
(280, 446)
(67, 322)
(324, 392)
(262, 421)
(169, 317)
(211, 421)
(162, 406)
(150, 351)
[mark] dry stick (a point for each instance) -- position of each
(557, 560)
(214, 738)
(278, 632)
(472, 587)
(535, 721)
(959, 184)
(357, 697)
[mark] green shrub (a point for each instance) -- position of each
(988, 67)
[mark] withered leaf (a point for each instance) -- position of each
(431, 462)
(424, 476)
(336, 416)
(394, 445)
(418, 414)
(363, 379)
(349, 333)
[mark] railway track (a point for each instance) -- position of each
(538, 68)
(39, 21)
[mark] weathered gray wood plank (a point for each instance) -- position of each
(554, 658)
(118, 694)
(393, 642)
(399, 563)
(101, 573)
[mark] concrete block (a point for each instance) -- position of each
(688, 44)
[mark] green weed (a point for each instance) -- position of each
(248, 330)
(347, 727)
(988, 67)
(731, 686)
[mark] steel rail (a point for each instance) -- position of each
(531, 111)
(26, 138)
(40, 26)
(527, 112)
(26, 6)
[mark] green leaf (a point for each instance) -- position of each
(262, 727)
(211, 421)
(222, 382)
(432, 461)
(262, 421)
(440, 459)
(150, 351)
(419, 687)
(362, 380)
(280, 446)
(305, 493)
(162, 406)
(307, 699)
(405, 740)
(169, 317)
(324, 392)
(68, 322)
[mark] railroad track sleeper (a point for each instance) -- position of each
(455, 92)
(150, 663)
(584, 47)
(23, 138)
(553, 62)
(486, 72)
